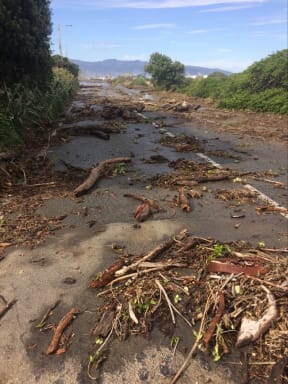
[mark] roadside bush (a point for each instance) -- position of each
(139, 81)
(22, 108)
(270, 100)
(261, 87)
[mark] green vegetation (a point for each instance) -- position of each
(23, 108)
(130, 81)
(63, 62)
(25, 27)
(262, 87)
(165, 73)
(33, 86)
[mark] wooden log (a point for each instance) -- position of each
(97, 172)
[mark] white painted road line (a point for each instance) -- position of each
(267, 199)
(207, 158)
(260, 194)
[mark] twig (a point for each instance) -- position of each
(97, 355)
(284, 250)
(215, 320)
(277, 183)
(195, 345)
(152, 254)
(52, 183)
(7, 307)
(47, 313)
(167, 299)
(268, 283)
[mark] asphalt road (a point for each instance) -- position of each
(37, 278)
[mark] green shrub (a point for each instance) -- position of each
(22, 108)
(139, 81)
(261, 87)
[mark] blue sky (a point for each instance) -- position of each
(222, 34)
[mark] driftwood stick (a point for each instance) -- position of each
(167, 299)
(97, 172)
(183, 200)
(46, 315)
(60, 328)
(216, 319)
(194, 347)
(251, 330)
(152, 254)
(146, 209)
(108, 275)
(7, 307)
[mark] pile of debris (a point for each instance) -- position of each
(229, 295)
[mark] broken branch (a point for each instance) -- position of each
(60, 328)
(7, 307)
(216, 319)
(152, 254)
(251, 330)
(97, 172)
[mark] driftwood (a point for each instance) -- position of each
(277, 372)
(105, 324)
(152, 254)
(184, 201)
(251, 330)
(46, 315)
(7, 307)
(215, 320)
(87, 127)
(146, 209)
(95, 131)
(190, 183)
(205, 179)
(108, 275)
(64, 322)
(97, 172)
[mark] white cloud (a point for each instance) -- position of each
(271, 20)
(154, 26)
(228, 8)
(204, 31)
(144, 4)
(220, 51)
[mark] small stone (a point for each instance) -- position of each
(164, 369)
(143, 374)
(69, 280)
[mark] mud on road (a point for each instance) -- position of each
(231, 169)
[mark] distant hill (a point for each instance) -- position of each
(114, 68)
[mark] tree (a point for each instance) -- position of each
(64, 62)
(270, 72)
(165, 73)
(25, 28)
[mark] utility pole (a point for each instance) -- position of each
(60, 40)
(60, 45)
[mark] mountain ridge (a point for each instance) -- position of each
(115, 67)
